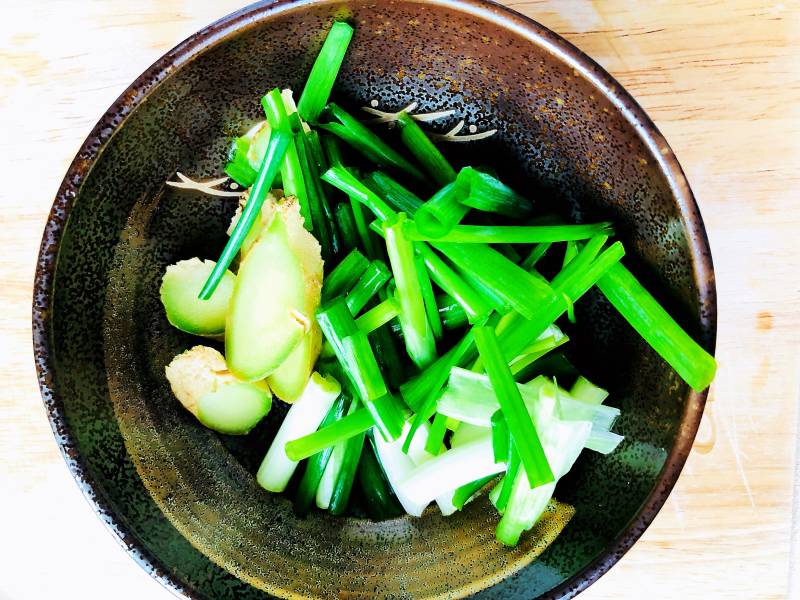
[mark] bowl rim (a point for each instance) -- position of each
(248, 17)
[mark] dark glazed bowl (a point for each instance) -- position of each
(183, 500)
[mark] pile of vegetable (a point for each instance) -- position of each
(415, 340)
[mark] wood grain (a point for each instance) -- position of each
(722, 81)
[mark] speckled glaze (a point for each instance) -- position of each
(181, 499)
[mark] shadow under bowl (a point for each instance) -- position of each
(183, 500)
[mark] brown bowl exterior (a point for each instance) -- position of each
(182, 499)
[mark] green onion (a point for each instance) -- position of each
(446, 278)
(347, 226)
(506, 486)
(347, 474)
(357, 353)
(526, 440)
(380, 500)
(294, 183)
(436, 435)
(239, 168)
(341, 178)
(535, 255)
(489, 194)
(276, 148)
(333, 150)
(488, 294)
(344, 276)
(353, 132)
(323, 74)
(425, 151)
(321, 216)
(511, 234)
(502, 444)
(429, 299)
(392, 366)
(378, 316)
(315, 465)
(653, 323)
(442, 212)
(451, 313)
(420, 344)
(371, 280)
(397, 196)
(463, 494)
(556, 365)
(512, 284)
(325, 437)
(568, 286)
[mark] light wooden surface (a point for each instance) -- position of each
(722, 81)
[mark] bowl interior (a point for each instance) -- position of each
(559, 139)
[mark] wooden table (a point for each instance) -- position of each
(722, 81)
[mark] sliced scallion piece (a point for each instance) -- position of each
(345, 222)
(463, 494)
(396, 195)
(510, 234)
(323, 74)
(344, 276)
(451, 312)
(436, 434)
(424, 150)
(420, 344)
(657, 327)
(526, 439)
(353, 132)
(489, 194)
(429, 299)
(371, 281)
(442, 212)
(341, 178)
(325, 437)
(378, 316)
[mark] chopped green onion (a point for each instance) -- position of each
(381, 501)
(392, 366)
(294, 183)
(371, 280)
(466, 492)
(555, 364)
(420, 344)
(333, 150)
(323, 74)
(451, 313)
(436, 434)
(397, 196)
(347, 226)
(344, 276)
(276, 148)
(357, 353)
(512, 284)
(489, 194)
(356, 134)
(569, 285)
(378, 316)
(585, 391)
(341, 178)
(241, 173)
(506, 486)
(502, 443)
(429, 299)
(443, 211)
(321, 216)
(510, 234)
(526, 439)
(446, 278)
(315, 466)
(347, 474)
(571, 249)
(425, 151)
(535, 255)
(325, 437)
(695, 366)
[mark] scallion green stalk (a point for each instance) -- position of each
(451, 312)
(536, 254)
(347, 226)
(420, 344)
(526, 439)
(276, 149)
(344, 276)
(323, 74)
(399, 197)
(353, 132)
(370, 282)
(341, 178)
(466, 492)
(442, 212)
(340, 496)
(489, 194)
(510, 234)
(325, 437)
(429, 299)
(657, 327)
(424, 150)
(381, 502)
(378, 316)
(436, 434)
